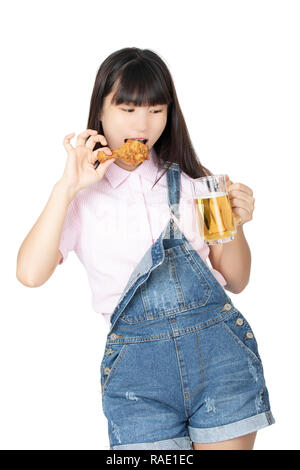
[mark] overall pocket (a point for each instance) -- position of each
(175, 286)
(240, 331)
(113, 355)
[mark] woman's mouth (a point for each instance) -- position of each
(137, 138)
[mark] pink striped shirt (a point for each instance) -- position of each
(111, 224)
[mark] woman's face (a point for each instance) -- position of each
(126, 121)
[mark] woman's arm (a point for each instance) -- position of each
(39, 255)
(233, 261)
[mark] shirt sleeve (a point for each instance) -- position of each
(70, 232)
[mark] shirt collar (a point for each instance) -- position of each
(148, 170)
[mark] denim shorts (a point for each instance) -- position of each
(201, 383)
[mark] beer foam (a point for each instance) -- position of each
(211, 195)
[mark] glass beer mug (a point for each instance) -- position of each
(215, 219)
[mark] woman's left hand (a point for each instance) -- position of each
(241, 200)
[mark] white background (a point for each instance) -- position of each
(235, 65)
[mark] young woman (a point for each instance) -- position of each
(181, 368)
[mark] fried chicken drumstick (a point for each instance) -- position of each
(132, 152)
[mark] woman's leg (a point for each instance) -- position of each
(239, 443)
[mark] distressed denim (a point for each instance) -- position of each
(181, 362)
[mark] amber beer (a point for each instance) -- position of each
(214, 215)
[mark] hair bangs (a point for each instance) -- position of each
(138, 85)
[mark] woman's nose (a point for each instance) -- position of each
(141, 120)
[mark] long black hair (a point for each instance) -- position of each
(143, 79)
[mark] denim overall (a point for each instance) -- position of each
(181, 363)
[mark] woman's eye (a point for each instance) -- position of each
(131, 110)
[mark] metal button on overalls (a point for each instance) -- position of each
(113, 336)
(227, 307)
(249, 335)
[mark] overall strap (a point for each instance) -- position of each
(173, 180)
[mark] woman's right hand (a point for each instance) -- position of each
(79, 171)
